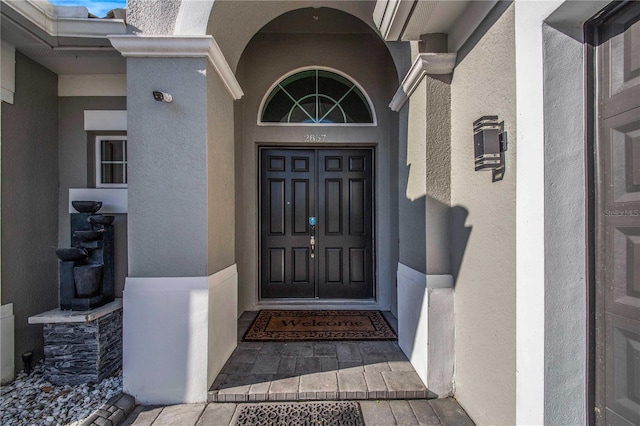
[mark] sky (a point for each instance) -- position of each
(96, 7)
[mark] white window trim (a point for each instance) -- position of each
(316, 67)
(103, 121)
(98, 162)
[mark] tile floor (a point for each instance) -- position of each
(376, 373)
(302, 371)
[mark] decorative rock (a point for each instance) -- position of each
(23, 403)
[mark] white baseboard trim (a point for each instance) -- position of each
(430, 280)
(223, 320)
(7, 340)
(426, 323)
(178, 333)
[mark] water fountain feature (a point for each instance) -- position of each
(86, 268)
(83, 337)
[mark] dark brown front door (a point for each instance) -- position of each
(618, 215)
(316, 226)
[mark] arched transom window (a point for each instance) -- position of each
(316, 97)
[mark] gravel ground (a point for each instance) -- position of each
(32, 400)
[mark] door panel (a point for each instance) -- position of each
(289, 179)
(618, 216)
(301, 194)
(334, 185)
(345, 234)
(623, 361)
(620, 82)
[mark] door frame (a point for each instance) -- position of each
(316, 301)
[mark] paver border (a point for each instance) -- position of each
(112, 412)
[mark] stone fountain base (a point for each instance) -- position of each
(81, 347)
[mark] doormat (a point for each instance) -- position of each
(301, 413)
(286, 326)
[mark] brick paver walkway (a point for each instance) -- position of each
(375, 373)
(445, 412)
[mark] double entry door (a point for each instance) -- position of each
(316, 223)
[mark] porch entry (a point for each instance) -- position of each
(316, 223)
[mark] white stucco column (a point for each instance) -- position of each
(530, 211)
(180, 299)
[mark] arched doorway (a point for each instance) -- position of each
(346, 51)
(316, 205)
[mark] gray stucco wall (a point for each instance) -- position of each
(220, 174)
(412, 183)
(483, 231)
(425, 179)
(77, 168)
(438, 175)
(30, 201)
(364, 58)
(167, 189)
(234, 23)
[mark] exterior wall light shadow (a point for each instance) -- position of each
(489, 145)
(162, 97)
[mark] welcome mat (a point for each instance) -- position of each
(300, 413)
(319, 325)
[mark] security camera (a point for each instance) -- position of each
(162, 97)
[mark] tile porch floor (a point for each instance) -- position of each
(377, 374)
(303, 371)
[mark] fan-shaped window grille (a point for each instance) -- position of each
(316, 97)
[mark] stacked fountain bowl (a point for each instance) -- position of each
(87, 272)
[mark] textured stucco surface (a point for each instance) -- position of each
(483, 231)
(424, 179)
(412, 182)
(77, 168)
(167, 220)
(565, 316)
(152, 16)
(267, 58)
(220, 175)
(234, 23)
(438, 175)
(30, 201)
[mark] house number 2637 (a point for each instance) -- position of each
(314, 138)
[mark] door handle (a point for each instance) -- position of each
(312, 235)
(312, 243)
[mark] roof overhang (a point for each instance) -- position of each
(405, 20)
(57, 25)
(442, 27)
(51, 35)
